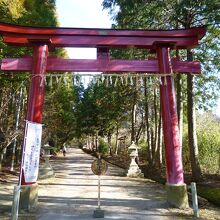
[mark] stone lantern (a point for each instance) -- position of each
(46, 170)
(134, 170)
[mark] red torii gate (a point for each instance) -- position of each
(43, 39)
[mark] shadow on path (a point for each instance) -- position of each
(72, 194)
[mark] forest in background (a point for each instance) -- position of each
(14, 86)
(111, 112)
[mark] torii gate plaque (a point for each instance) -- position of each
(42, 39)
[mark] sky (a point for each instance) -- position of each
(86, 14)
(83, 14)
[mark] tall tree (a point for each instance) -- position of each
(192, 13)
(165, 14)
(24, 12)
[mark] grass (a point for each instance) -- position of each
(211, 194)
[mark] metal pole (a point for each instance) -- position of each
(16, 127)
(17, 188)
(98, 213)
(194, 200)
(15, 205)
(99, 203)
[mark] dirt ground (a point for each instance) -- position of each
(72, 194)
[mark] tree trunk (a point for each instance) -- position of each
(116, 139)
(139, 131)
(192, 138)
(1, 158)
(96, 142)
(152, 133)
(155, 117)
(133, 121)
(110, 143)
(22, 118)
(87, 141)
(17, 116)
(149, 151)
(179, 97)
(180, 106)
(90, 142)
(155, 140)
(159, 153)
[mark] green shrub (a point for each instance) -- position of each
(103, 147)
(208, 136)
(211, 194)
(142, 144)
(209, 142)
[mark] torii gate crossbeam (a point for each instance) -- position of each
(44, 39)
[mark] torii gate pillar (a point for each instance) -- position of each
(29, 190)
(176, 188)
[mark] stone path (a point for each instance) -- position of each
(72, 194)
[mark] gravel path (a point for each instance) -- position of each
(72, 194)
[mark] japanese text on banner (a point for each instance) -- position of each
(32, 151)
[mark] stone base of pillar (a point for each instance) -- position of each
(177, 195)
(28, 198)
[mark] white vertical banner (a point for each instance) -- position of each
(32, 151)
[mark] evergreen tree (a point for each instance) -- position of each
(185, 14)
(13, 86)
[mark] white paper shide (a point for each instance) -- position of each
(32, 151)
